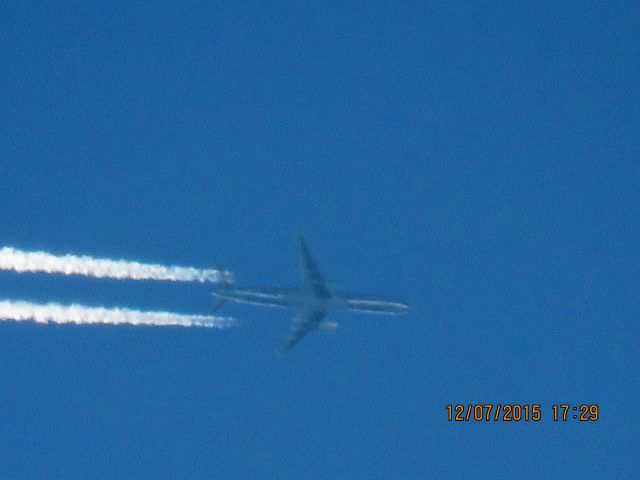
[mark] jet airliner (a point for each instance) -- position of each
(313, 301)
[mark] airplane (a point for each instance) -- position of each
(313, 301)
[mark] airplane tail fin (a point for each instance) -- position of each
(223, 285)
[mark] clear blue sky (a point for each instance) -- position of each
(479, 162)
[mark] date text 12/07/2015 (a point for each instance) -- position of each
(516, 412)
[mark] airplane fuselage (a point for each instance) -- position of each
(304, 300)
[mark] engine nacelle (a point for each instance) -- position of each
(328, 327)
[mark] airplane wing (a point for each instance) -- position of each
(311, 275)
(303, 324)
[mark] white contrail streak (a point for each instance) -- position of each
(21, 261)
(80, 314)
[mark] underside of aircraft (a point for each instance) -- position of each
(314, 300)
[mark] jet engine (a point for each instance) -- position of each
(328, 327)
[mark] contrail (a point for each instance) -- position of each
(80, 314)
(21, 261)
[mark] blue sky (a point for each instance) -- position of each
(479, 162)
